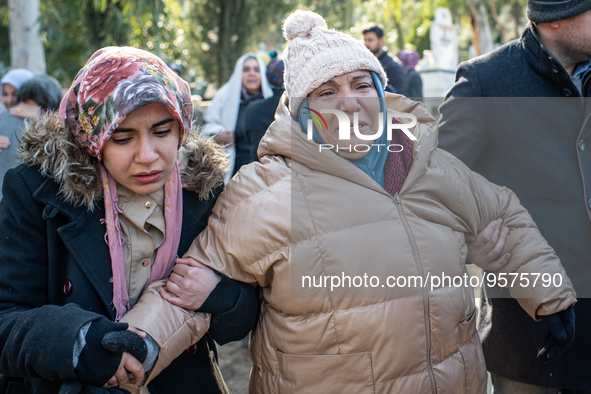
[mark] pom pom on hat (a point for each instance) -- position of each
(301, 23)
(316, 54)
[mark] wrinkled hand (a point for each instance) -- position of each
(4, 142)
(190, 283)
(24, 109)
(128, 362)
(485, 250)
(561, 335)
(225, 138)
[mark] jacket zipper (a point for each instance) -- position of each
(415, 253)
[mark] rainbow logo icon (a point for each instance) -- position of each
(317, 117)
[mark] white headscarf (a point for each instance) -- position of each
(222, 114)
(16, 78)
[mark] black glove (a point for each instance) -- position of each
(145, 350)
(561, 335)
(125, 341)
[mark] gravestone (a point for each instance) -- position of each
(438, 66)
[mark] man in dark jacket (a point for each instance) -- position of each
(373, 35)
(529, 130)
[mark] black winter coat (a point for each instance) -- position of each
(541, 149)
(257, 119)
(55, 276)
(394, 71)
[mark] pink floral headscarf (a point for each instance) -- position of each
(115, 82)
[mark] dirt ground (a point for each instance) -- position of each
(235, 365)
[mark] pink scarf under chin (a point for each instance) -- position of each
(166, 253)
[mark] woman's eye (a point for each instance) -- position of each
(326, 93)
(162, 133)
(121, 141)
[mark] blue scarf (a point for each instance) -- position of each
(372, 163)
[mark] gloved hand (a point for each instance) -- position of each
(144, 350)
(561, 335)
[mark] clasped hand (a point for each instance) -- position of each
(190, 284)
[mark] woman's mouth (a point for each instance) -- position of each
(147, 177)
(361, 127)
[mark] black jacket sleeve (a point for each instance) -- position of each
(36, 339)
(234, 308)
(395, 74)
(463, 129)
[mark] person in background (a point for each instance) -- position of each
(413, 84)
(11, 82)
(519, 115)
(248, 83)
(373, 36)
(259, 115)
(40, 92)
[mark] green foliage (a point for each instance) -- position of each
(72, 30)
(223, 30)
(206, 37)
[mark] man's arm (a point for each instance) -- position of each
(463, 130)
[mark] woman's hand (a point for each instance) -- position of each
(485, 250)
(128, 363)
(190, 283)
(225, 138)
(4, 142)
(24, 109)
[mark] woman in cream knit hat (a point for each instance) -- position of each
(330, 230)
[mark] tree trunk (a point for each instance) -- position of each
(399, 35)
(481, 34)
(26, 48)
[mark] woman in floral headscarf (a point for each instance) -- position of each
(95, 215)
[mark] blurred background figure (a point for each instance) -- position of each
(248, 83)
(11, 82)
(412, 85)
(41, 92)
(373, 37)
(259, 115)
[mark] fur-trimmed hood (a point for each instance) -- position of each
(48, 144)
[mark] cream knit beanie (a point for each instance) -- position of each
(315, 54)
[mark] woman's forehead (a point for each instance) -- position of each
(147, 114)
(251, 62)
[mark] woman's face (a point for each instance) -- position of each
(349, 93)
(9, 94)
(141, 153)
(251, 76)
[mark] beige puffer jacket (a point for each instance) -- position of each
(300, 212)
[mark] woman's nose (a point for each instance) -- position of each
(147, 153)
(348, 102)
